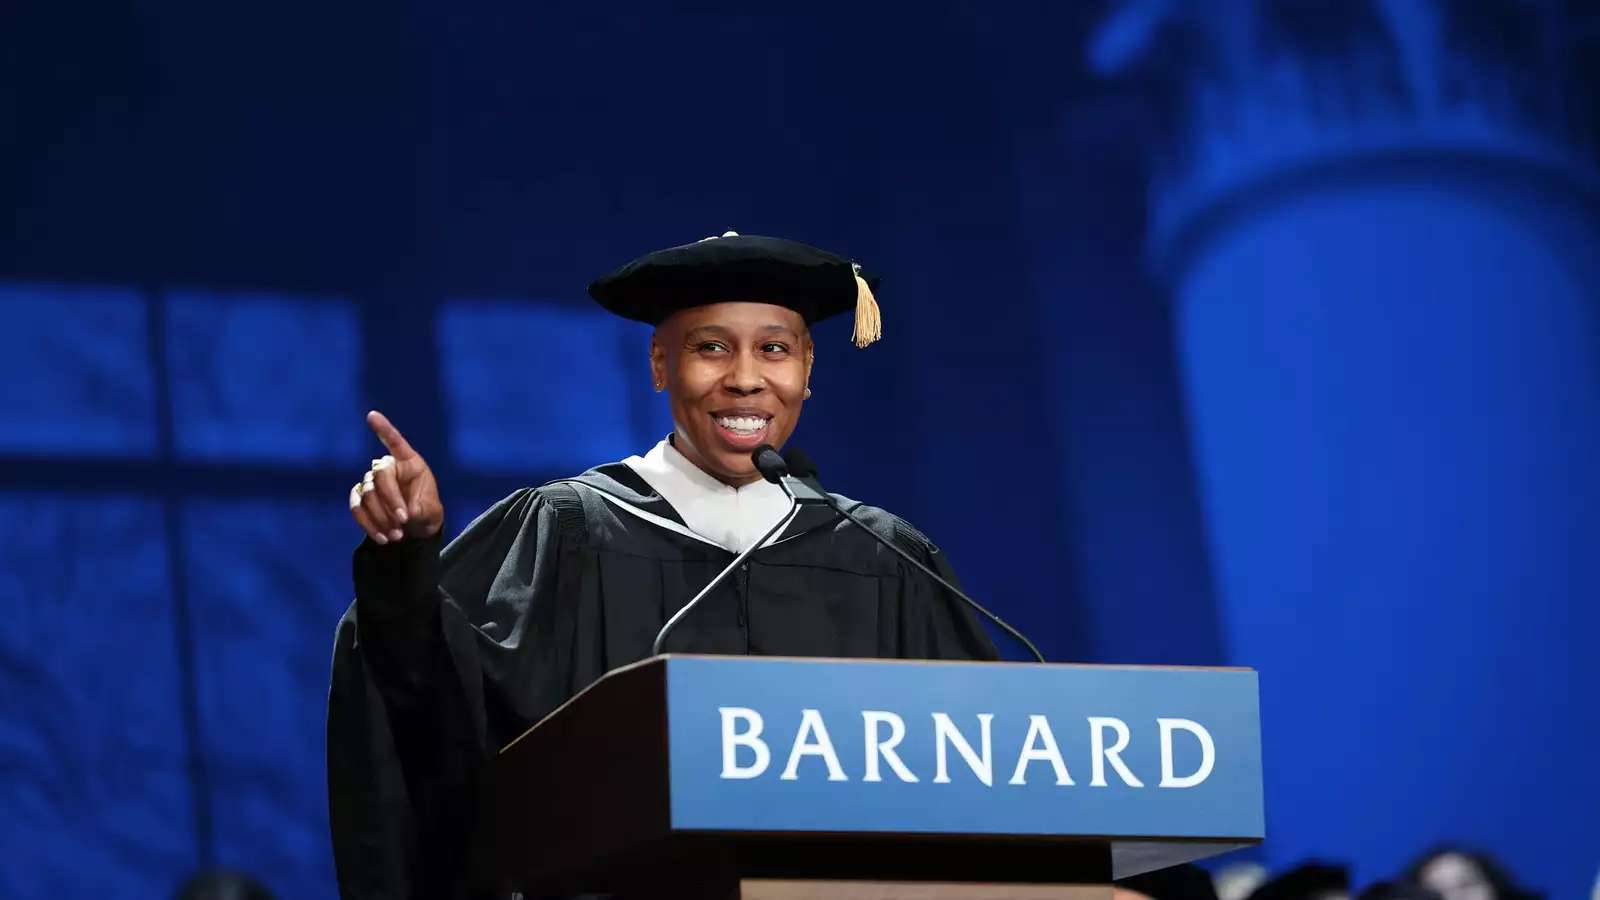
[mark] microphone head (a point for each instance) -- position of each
(769, 463)
(800, 465)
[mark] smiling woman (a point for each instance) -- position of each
(737, 375)
(446, 656)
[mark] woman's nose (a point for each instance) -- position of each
(744, 376)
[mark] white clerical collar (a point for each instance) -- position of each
(733, 518)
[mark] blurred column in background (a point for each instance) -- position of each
(1378, 222)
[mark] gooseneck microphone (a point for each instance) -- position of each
(766, 460)
(800, 479)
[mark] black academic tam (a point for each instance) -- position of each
(444, 658)
(748, 268)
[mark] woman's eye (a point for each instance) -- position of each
(712, 347)
(774, 348)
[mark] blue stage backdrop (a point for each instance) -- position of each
(1253, 333)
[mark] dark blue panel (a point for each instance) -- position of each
(540, 388)
(268, 582)
(1397, 452)
(75, 371)
(92, 755)
(460, 511)
(264, 377)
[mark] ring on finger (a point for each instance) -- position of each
(355, 496)
(384, 462)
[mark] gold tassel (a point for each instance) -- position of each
(869, 319)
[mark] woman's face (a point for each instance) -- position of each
(736, 376)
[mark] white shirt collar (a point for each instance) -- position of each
(733, 518)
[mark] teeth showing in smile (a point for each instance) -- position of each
(742, 424)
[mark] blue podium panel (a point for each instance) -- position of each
(786, 745)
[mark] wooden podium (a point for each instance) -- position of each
(790, 779)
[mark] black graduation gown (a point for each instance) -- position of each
(444, 658)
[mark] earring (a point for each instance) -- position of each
(808, 393)
(660, 387)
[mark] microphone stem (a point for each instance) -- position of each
(661, 636)
(936, 577)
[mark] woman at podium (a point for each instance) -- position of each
(446, 656)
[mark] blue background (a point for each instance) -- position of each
(1226, 804)
(1259, 333)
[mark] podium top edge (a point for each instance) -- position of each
(869, 660)
(667, 658)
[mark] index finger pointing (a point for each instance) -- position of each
(389, 435)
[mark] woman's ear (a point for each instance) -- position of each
(811, 357)
(658, 364)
